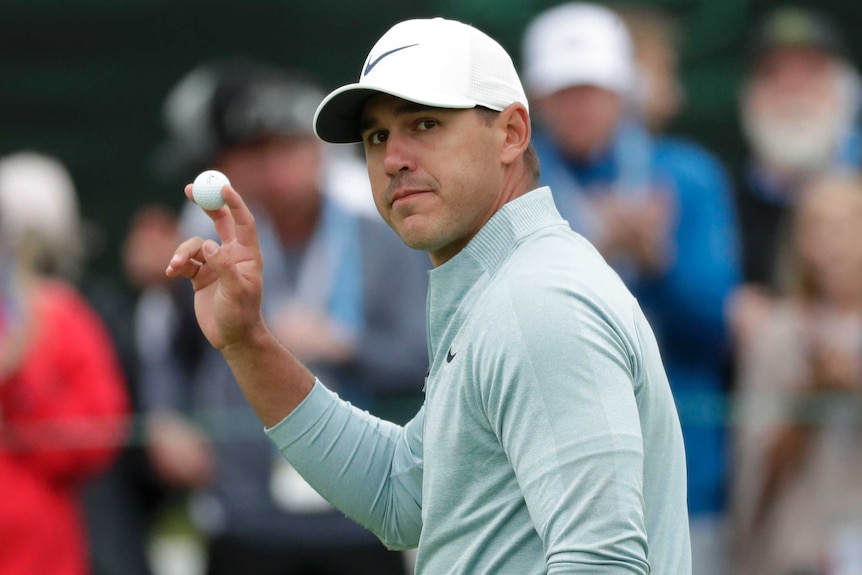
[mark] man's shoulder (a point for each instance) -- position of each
(551, 297)
(559, 264)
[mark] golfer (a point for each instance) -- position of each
(548, 441)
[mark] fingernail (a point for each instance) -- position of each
(210, 247)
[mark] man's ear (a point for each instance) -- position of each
(515, 120)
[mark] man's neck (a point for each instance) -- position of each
(519, 182)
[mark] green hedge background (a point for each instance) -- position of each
(85, 79)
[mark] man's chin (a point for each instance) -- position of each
(412, 232)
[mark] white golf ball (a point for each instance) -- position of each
(206, 189)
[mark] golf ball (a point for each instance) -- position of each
(206, 189)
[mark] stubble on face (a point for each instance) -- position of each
(429, 175)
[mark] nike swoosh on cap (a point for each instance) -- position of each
(370, 65)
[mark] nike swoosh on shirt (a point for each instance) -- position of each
(374, 62)
(450, 356)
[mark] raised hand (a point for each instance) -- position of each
(227, 278)
(228, 287)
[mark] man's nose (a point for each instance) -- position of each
(399, 155)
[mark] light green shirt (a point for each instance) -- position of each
(549, 441)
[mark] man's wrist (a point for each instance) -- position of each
(258, 340)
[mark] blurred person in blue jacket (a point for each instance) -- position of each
(799, 108)
(660, 211)
(365, 331)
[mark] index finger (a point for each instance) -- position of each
(242, 220)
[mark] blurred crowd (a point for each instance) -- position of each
(113, 410)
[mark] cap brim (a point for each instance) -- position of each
(337, 117)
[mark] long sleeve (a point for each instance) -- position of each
(548, 442)
(370, 469)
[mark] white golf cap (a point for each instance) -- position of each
(578, 44)
(435, 62)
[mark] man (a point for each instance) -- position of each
(659, 209)
(548, 441)
(329, 297)
(799, 108)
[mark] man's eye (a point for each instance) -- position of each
(377, 137)
(427, 124)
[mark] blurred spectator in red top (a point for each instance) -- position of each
(62, 394)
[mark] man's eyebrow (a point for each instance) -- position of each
(412, 108)
(403, 108)
(366, 123)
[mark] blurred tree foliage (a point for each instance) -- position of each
(85, 80)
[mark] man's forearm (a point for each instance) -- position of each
(272, 379)
(368, 468)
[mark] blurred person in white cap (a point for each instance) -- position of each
(799, 108)
(39, 213)
(342, 292)
(62, 391)
(659, 209)
(548, 441)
